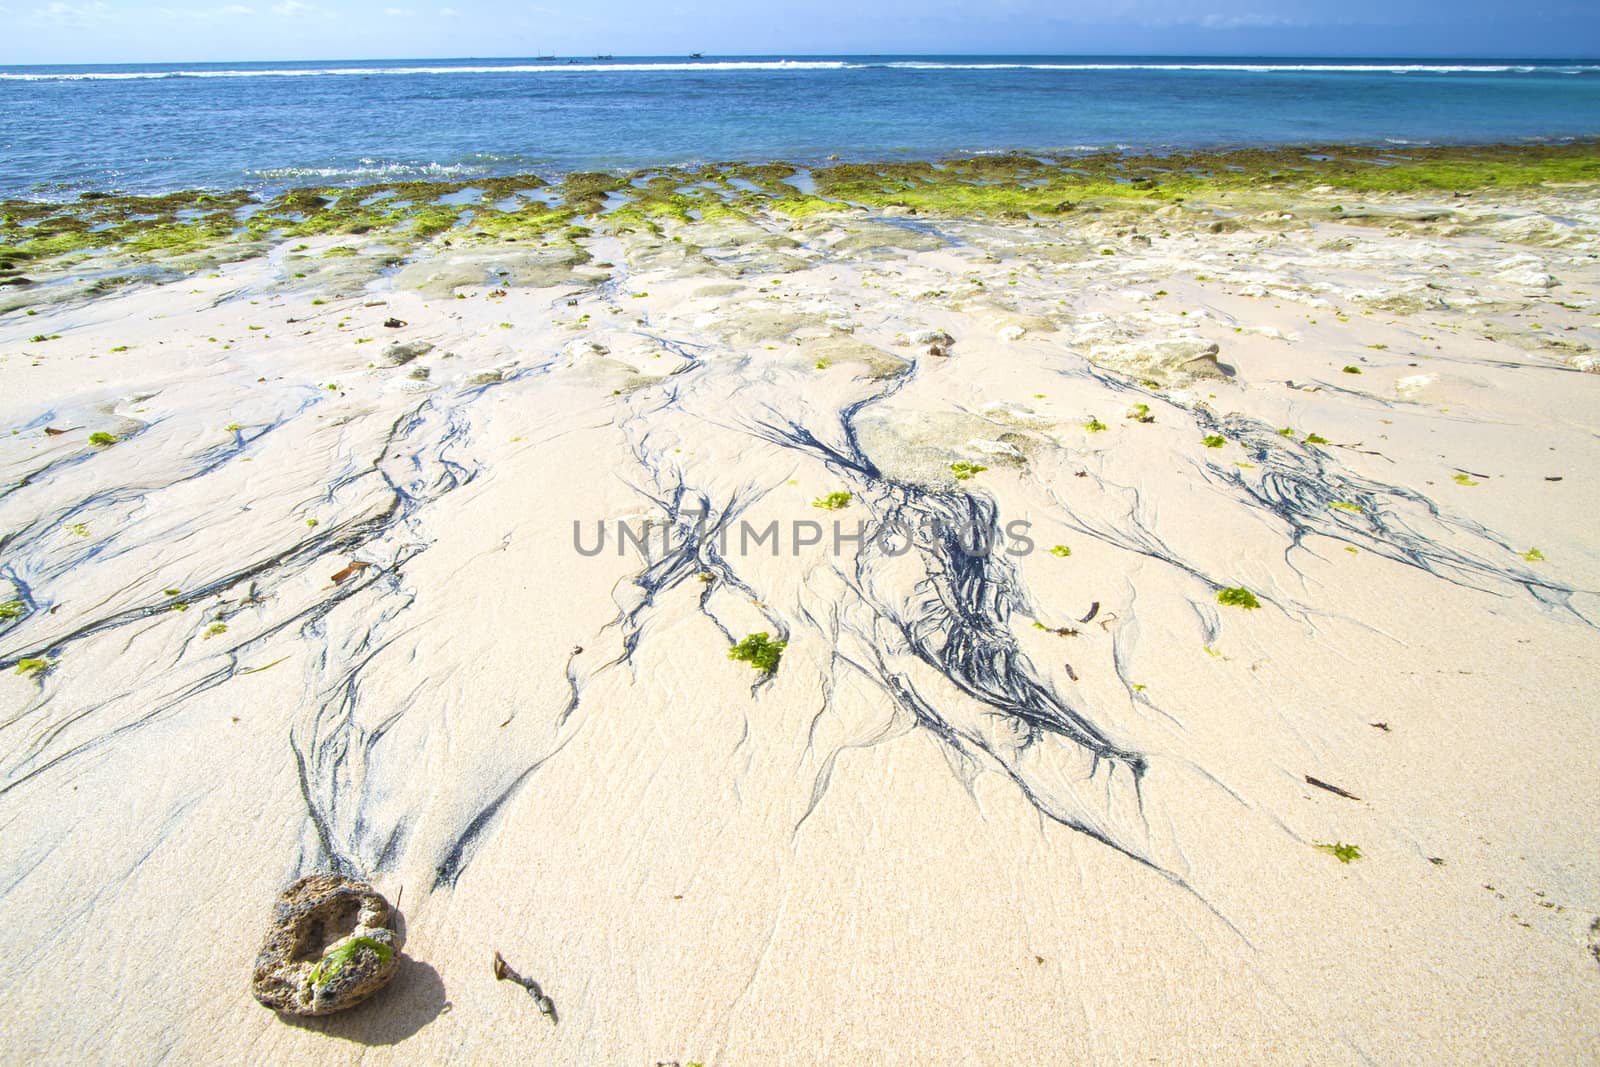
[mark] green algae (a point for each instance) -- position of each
(759, 651)
(833, 501)
(1342, 852)
(1316, 439)
(1345, 505)
(1238, 597)
(1094, 425)
(1061, 550)
(1463, 479)
(1212, 440)
(32, 667)
(1533, 555)
(964, 470)
(11, 609)
(1352, 370)
(329, 966)
(1256, 183)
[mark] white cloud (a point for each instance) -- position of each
(449, 12)
(205, 14)
(290, 8)
(398, 12)
(64, 14)
(1248, 21)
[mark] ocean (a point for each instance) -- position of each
(268, 126)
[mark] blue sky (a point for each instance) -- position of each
(109, 31)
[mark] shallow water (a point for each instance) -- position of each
(272, 125)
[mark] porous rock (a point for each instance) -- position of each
(331, 945)
(398, 355)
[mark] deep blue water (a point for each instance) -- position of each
(269, 125)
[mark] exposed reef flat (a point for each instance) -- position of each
(1229, 696)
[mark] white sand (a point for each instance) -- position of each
(814, 870)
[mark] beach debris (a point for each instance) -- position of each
(1059, 631)
(1070, 672)
(1379, 726)
(268, 667)
(331, 945)
(1094, 609)
(504, 973)
(1320, 784)
(394, 324)
(932, 337)
(51, 431)
(350, 570)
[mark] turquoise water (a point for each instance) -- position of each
(269, 125)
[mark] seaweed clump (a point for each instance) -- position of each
(963, 470)
(1342, 852)
(833, 501)
(760, 651)
(1238, 597)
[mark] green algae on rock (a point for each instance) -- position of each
(330, 946)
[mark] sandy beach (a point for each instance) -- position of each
(1226, 694)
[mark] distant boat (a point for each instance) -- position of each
(696, 55)
(602, 57)
(542, 58)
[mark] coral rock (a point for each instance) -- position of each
(398, 355)
(331, 946)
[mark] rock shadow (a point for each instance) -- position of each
(413, 999)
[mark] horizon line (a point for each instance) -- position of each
(1318, 57)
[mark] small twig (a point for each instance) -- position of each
(1320, 784)
(504, 973)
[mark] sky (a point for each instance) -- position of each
(154, 31)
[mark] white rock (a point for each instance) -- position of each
(1011, 333)
(1412, 384)
(1528, 278)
